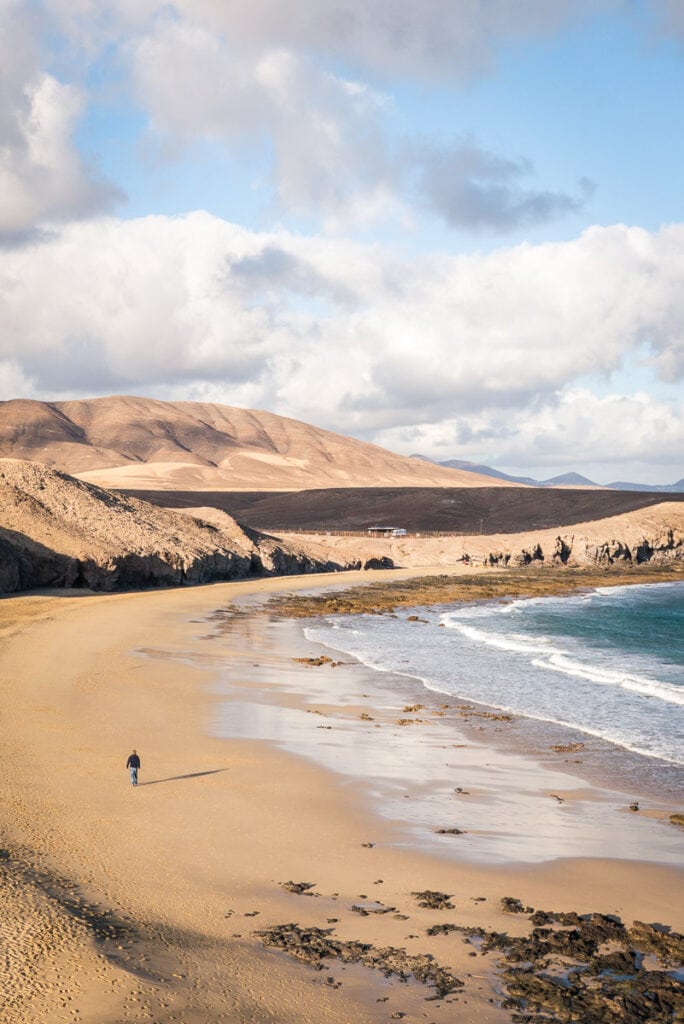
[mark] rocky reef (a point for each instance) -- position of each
(590, 968)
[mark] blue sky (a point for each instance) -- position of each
(454, 229)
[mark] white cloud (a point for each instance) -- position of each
(391, 37)
(256, 77)
(482, 351)
(328, 144)
(614, 428)
(336, 150)
(602, 436)
(42, 176)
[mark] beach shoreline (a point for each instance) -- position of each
(307, 688)
(191, 866)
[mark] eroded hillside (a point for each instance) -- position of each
(141, 443)
(56, 531)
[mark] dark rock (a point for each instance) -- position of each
(622, 961)
(434, 900)
(643, 552)
(651, 997)
(562, 551)
(300, 888)
(611, 552)
(527, 557)
(511, 905)
(666, 945)
(442, 929)
(496, 558)
(372, 908)
(379, 563)
(587, 969)
(316, 946)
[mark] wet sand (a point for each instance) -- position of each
(125, 904)
(427, 762)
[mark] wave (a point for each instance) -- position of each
(558, 662)
(545, 654)
(516, 642)
(613, 734)
(624, 593)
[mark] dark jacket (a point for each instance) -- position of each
(133, 761)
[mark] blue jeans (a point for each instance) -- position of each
(134, 776)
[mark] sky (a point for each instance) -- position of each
(453, 228)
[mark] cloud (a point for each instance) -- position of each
(587, 428)
(325, 133)
(425, 40)
(670, 14)
(475, 189)
(608, 437)
(345, 335)
(307, 90)
(43, 179)
(334, 145)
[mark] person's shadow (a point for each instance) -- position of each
(177, 778)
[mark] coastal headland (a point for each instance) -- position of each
(244, 882)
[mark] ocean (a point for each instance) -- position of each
(606, 663)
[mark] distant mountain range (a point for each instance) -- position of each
(565, 480)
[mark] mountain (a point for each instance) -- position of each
(474, 467)
(140, 443)
(565, 480)
(56, 531)
(568, 480)
(676, 488)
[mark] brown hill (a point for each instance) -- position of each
(56, 531)
(140, 443)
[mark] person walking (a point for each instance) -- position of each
(133, 763)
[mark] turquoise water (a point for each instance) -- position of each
(608, 662)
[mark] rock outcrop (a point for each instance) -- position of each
(642, 537)
(56, 531)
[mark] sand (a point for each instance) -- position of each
(123, 904)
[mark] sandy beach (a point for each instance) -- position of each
(125, 904)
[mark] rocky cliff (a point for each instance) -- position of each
(56, 531)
